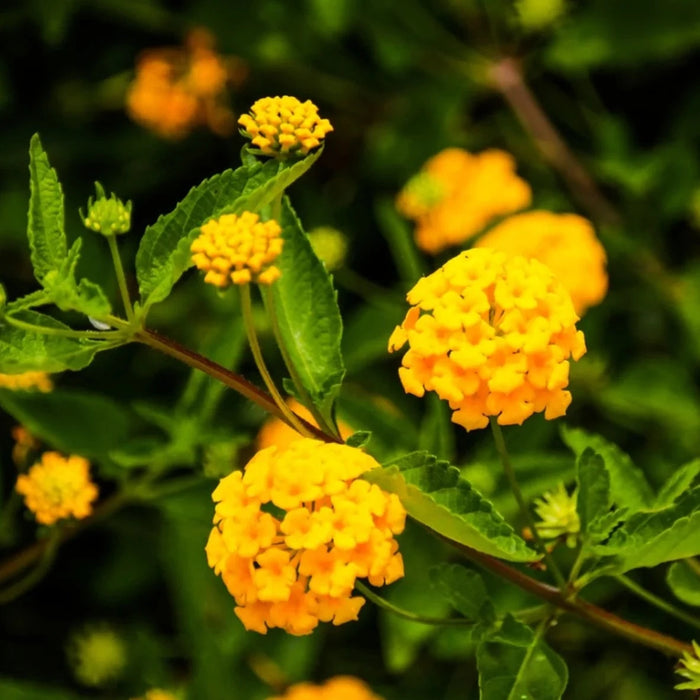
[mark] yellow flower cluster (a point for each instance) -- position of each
(26, 381)
(491, 335)
(58, 487)
(337, 688)
(177, 89)
(284, 126)
(25, 442)
(566, 243)
(157, 694)
(97, 655)
(238, 249)
(295, 530)
(558, 516)
(457, 193)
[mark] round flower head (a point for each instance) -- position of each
(238, 249)
(491, 335)
(97, 655)
(457, 193)
(566, 243)
(157, 694)
(26, 381)
(58, 487)
(330, 246)
(295, 530)
(558, 516)
(337, 688)
(283, 126)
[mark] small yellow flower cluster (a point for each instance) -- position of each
(337, 688)
(566, 243)
(26, 381)
(58, 487)
(238, 249)
(492, 336)
(97, 655)
(283, 126)
(25, 442)
(689, 667)
(176, 89)
(157, 694)
(296, 529)
(558, 516)
(457, 193)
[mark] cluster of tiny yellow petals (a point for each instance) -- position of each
(295, 530)
(58, 487)
(492, 335)
(689, 667)
(566, 243)
(284, 126)
(97, 655)
(177, 89)
(276, 432)
(237, 249)
(157, 694)
(337, 688)
(558, 516)
(457, 193)
(26, 381)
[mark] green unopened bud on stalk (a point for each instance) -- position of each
(107, 215)
(689, 667)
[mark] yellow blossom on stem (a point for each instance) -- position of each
(237, 249)
(492, 335)
(284, 126)
(294, 531)
(457, 193)
(689, 667)
(58, 487)
(337, 688)
(566, 243)
(558, 516)
(26, 381)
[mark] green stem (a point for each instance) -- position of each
(33, 577)
(247, 311)
(515, 488)
(121, 277)
(694, 564)
(62, 332)
(657, 602)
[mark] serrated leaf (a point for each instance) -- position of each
(308, 316)
(465, 590)
(71, 421)
(45, 226)
(628, 485)
(434, 494)
(515, 664)
(593, 496)
(684, 582)
(40, 297)
(29, 351)
(678, 483)
(653, 537)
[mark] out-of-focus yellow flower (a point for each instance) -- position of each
(492, 335)
(689, 667)
(157, 694)
(25, 442)
(457, 193)
(97, 655)
(58, 487)
(330, 245)
(337, 688)
(565, 243)
(295, 530)
(558, 516)
(26, 381)
(238, 249)
(177, 89)
(284, 126)
(276, 432)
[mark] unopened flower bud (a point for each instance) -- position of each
(107, 215)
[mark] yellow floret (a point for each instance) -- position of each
(337, 688)
(237, 249)
(26, 381)
(492, 335)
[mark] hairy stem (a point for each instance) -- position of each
(121, 277)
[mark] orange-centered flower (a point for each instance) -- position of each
(58, 487)
(284, 126)
(338, 688)
(566, 243)
(295, 530)
(238, 249)
(457, 193)
(492, 335)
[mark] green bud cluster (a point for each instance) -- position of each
(107, 215)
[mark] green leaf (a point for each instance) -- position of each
(45, 228)
(593, 499)
(71, 421)
(653, 537)
(628, 485)
(515, 664)
(435, 495)
(465, 590)
(678, 483)
(308, 317)
(359, 439)
(28, 351)
(684, 582)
